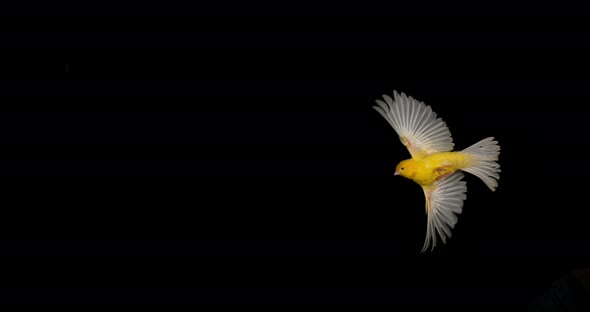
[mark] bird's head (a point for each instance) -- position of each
(406, 168)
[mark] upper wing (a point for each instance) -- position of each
(444, 201)
(416, 124)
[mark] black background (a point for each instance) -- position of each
(187, 156)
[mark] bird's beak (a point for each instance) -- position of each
(396, 173)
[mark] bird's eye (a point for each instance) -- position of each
(402, 168)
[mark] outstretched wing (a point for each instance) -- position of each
(416, 124)
(444, 201)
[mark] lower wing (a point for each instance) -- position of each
(444, 201)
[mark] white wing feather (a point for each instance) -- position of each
(416, 124)
(444, 203)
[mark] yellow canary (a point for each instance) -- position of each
(433, 163)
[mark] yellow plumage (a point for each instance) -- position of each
(434, 165)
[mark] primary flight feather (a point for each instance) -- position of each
(433, 163)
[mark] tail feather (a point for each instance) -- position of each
(484, 166)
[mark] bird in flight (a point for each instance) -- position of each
(434, 165)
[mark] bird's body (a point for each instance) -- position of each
(434, 165)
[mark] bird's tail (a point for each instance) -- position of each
(485, 154)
